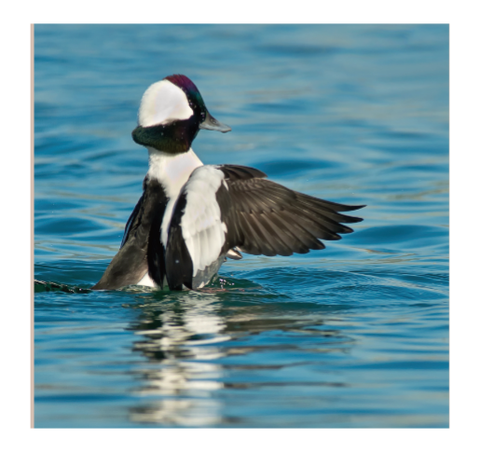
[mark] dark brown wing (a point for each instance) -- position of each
(263, 217)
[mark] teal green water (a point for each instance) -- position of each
(356, 335)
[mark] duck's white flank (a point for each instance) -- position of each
(146, 281)
(162, 103)
(202, 227)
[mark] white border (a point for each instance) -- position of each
(15, 86)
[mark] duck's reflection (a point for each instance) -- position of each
(194, 342)
(179, 338)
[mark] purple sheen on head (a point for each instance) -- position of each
(188, 87)
(182, 81)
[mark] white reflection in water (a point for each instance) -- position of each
(183, 338)
(190, 412)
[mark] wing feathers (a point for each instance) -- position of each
(238, 172)
(308, 208)
(266, 218)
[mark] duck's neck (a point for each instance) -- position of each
(171, 170)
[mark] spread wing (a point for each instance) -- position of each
(264, 217)
(228, 206)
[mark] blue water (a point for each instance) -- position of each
(356, 335)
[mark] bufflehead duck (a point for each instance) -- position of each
(191, 216)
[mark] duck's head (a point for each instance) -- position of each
(171, 113)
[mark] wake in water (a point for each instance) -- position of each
(50, 286)
(219, 284)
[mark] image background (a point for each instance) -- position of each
(353, 336)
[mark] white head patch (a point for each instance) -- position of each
(162, 103)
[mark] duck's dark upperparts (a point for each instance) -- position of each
(191, 216)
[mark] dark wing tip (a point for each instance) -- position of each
(356, 207)
(345, 207)
(350, 219)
